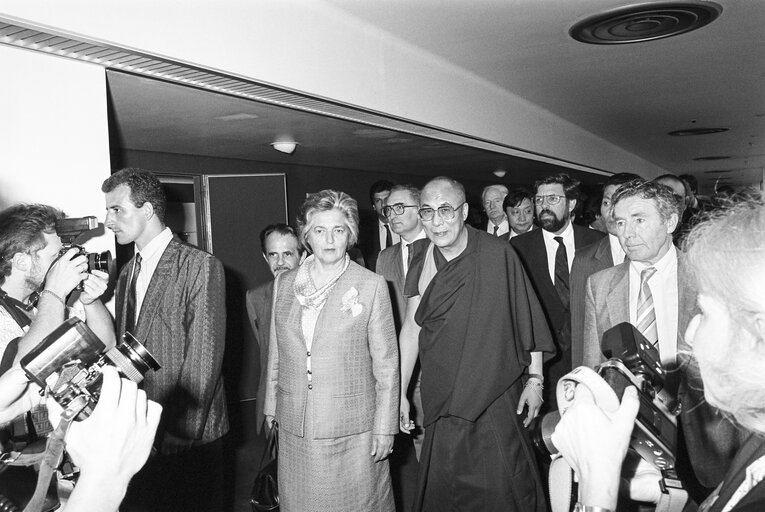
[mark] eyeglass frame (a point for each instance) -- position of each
(446, 207)
(548, 198)
(392, 207)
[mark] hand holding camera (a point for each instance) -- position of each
(67, 272)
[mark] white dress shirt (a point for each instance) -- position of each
(382, 234)
(617, 253)
(504, 227)
(552, 248)
(663, 285)
(150, 256)
(405, 249)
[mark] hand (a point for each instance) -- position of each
(640, 479)
(405, 424)
(17, 394)
(173, 445)
(115, 441)
(94, 286)
(594, 444)
(66, 273)
(532, 397)
(382, 446)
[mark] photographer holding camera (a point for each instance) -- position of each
(32, 268)
(109, 447)
(726, 257)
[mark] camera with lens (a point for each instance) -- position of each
(632, 361)
(71, 228)
(69, 362)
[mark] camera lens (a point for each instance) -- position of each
(541, 432)
(99, 261)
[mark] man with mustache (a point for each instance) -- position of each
(547, 255)
(282, 252)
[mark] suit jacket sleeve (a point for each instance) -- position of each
(591, 341)
(383, 350)
(205, 324)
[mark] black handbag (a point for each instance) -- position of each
(265, 490)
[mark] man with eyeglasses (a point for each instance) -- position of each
(547, 255)
(479, 328)
(492, 198)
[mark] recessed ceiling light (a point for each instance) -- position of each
(237, 117)
(499, 173)
(696, 131)
(285, 147)
(646, 22)
(709, 158)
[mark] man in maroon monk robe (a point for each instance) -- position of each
(481, 334)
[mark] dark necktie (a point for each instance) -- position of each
(131, 314)
(388, 237)
(496, 228)
(646, 313)
(561, 272)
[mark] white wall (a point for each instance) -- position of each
(54, 138)
(312, 47)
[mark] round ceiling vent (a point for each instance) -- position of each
(645, 22)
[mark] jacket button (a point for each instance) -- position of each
(309, 372)
(308, 353)
(310, 386)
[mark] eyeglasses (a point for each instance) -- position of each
(397, 208)
(446, 212)
(552, 199)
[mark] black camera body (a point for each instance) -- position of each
(71, 228)
(69, 363)
(632, 361)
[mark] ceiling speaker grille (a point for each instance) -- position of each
(646, 22)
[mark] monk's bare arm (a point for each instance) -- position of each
(408, 346)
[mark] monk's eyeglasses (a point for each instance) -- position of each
(397, 208)
(446, 212)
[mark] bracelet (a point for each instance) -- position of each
(536, 376)
(587, 508)
(54, 296)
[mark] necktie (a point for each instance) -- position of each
(646, 313)
(561, 272)
(131, 314)
(496, 228)
(388, 237)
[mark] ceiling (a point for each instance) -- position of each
(631, 95)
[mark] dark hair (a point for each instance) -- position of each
(621, 178)
(21, 231)
(413, 191)
(144, 187)
(515, 197)
(377, 187)
(660, 193)
(280, 229)
(692, 182)
(570, 185)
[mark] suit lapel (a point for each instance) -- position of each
(618, 302)
(330, 312)
(160, 283)
(398, 265)
(603, 253)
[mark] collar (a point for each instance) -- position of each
(664, 263)
(157, 244)
(419, 236)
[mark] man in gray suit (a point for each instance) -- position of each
(393, 264)
(652, 293)
(594, 258)
(282, 252)
(171, 297)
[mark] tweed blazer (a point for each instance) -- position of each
(591, 259)
(390, 266)
(182, 322)
(354, 360)
(258, 302)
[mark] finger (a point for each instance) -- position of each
(374, 447)
(100, 274)
(110, 391)
(625, 416)
(153, 414)
(141, 404)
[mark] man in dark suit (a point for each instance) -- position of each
(171, 297)
(282, 252)
(519, 208)
(547, 255)
(600, 256)
(654, 293)
(376, 234)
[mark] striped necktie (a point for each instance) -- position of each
(646, 313)
(131, 315)
(561, 272)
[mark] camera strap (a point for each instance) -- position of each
(54, 452)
